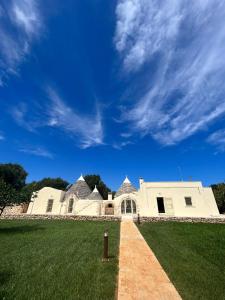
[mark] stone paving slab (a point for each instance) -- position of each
(141, 276)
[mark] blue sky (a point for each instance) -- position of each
(127, 87)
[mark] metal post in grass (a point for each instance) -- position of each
(138, 219)
(106, 246)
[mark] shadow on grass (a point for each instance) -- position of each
(4, 279)
(20, 229)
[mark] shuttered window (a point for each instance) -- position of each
(188, 201)
(70, 207)
(49, 206)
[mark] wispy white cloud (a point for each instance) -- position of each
(37, 151)
(218, 139)
(20, 115)
(2, 137)
(144, 27)
(26, 14)
(125, 135)
(121, 145)
(86, 130)
(20, 24)
(181, 44)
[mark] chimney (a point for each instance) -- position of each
(141, 180)
(109, 196)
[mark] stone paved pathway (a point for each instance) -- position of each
(141, 276)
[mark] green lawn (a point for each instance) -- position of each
(193, 256)
(44, 259)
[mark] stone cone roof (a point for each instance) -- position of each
(95, 195)
(125, 188)
(80, 188)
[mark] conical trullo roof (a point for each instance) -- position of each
(80, 188)
(95, 195)
(125, 188)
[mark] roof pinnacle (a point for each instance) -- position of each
(126, 180)
(81, 178)
(95, 190)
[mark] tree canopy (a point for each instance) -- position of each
(14, 175)
(219, 193)
(93, 180)
(28, 189)
(8, 195)
(57, 183)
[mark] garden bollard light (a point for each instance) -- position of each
(139, 221)
(106, 246)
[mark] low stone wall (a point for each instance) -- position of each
(13, 210)
(112, 218)
(59, 217)
(183, 219)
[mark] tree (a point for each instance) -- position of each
(8, 195)
(27, 191)
(219, 193)
(93, 180)
(57, 183)
(14, 175)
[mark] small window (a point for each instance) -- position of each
(49, 206)
(70, 207)
(110, 205)
(134, 207)
(188, 201)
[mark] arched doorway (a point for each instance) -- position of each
(109, 209)
(128, 206)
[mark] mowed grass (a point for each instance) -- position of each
(57, 259)
(193, 255)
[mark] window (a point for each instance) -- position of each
(128, 207)
(70, 207)
(49, 206)
(188, 201)
(123, 207)
(160, 203)
(134, 207)
(110, 205)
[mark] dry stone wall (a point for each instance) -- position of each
(15, 214)
(12, 210)
(59, 217)
(220, 219)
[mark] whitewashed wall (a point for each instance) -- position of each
(174, 193)
(203, 201)
(39, 205)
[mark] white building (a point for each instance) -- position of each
(181, 199)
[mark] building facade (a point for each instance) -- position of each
(179, 199)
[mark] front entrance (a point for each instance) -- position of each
(128, 206)
(160, 203)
